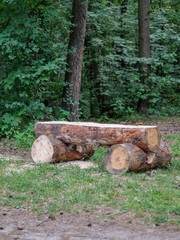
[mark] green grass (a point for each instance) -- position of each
(49, 188)
(174, 141)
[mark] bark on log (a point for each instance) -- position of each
(125, 157)
(162, 157)
(145, 137)
(49, 149)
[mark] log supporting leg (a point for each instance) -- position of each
(121, 158)
(159, 159)
(125, 157)
(49, 149)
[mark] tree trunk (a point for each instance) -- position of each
(144, 48)
(71, 91)
(49, 149)
(125, 157)
(77, 133)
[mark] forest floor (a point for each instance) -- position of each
(24, 224)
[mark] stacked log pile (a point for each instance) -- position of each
(132, 148)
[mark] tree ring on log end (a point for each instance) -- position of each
(116, 159)
(42, 150)
(119, 158)
(153, 139)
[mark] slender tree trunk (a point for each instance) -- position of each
(144, 47)
(71, 91)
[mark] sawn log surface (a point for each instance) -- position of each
(49, 149)
(125, 157)
(96, 134)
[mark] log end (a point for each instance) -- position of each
(164, 155)
(153, 138)
(116, 160)
(42, 150)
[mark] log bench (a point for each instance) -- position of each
(131, 148)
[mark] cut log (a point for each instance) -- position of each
(128, 157)
(49, 149)
(78, 133)
(164, 155)
(160, 159)
(125, 157)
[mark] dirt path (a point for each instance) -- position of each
(170, 127)
(167, 127)
(20, 224)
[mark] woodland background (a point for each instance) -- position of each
(34, 38)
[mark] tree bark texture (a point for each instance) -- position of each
(125, 157)
(84, 133)
(159, 159)
(121, 158)
(71, 91)
(49, 149)
(144, 47)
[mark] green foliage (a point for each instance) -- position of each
(109, 56)
(34, 39)
(33, 48)
(61, 114)
(25, 137)
(111, 80)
